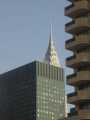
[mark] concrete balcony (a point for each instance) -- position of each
(83, 76)
(70, 0)
(70, 43)
(72, 98)
(81, 59)
(84, 95)
(84, 114)
(77, 8)
(80, 95)
(73, 117)
(71, 79)
(70, 61)
(78, 42)
(80, 77)
(78, 25)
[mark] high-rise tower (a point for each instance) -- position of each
(51, 56)
(79, 44)
(34, 91)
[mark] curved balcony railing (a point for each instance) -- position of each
(78, 25)
(77, 8)
(84, 114)
(81, 58)
(78, 42)
(79, 77)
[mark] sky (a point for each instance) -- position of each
(25, 30)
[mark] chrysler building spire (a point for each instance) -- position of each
(51, 56)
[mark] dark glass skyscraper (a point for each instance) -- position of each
(34, 91)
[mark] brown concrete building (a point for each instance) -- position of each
(79, 44)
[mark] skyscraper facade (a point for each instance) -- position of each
(34, 91)
(79, 44)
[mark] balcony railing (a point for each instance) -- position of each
(80, 59)
(69, 7)
(72, 97)
(83, 75)
(84, 94)
(84, 114)
(83, 39)
(70, 60)
(78, 42)
(71, 79)
(72, 94)
(70, 24)
(72, 113)
(78, 96)
(83, 57)
(79, 77)
(69, 44)
(78, 25)
(73, 117)
(69, 41)
(76, 9)
(71, 76)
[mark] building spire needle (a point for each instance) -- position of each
(51, 33)
(51, 56)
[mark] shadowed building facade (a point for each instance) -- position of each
(79, 44)
(34, 91)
